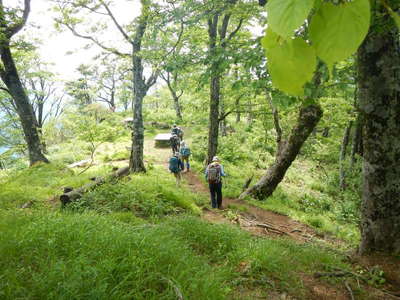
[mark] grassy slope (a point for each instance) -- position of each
(117, 241)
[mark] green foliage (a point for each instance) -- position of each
(40, 184)
(337, 31)
(49, 256)
(291, 62)
(150, 195)
(285, 16)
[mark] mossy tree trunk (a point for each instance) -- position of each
(379, 99)
(309, 117)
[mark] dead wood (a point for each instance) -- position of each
(75, 194)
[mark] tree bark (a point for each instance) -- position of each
(215, 80)
(71, 195)
(309, 117)
(10, 77)
(237, 105)
(172, 90)
(379, 99)
(357, 147)
(343, 150)
(213, 129)
(277, 125)
(136, 163)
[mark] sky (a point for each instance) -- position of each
(63, 48)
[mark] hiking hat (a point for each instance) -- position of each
(176, 154)
(183, 144)
(215, 158)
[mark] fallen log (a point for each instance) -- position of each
(73, 195)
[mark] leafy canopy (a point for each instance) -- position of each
(331, 32)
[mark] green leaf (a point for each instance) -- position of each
(285, 16)
(291, 63)
(336, 31)
(396, 17)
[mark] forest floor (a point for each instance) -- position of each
(268, 224)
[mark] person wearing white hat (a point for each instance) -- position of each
(214, 172)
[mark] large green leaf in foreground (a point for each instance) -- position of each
(291, 63)
(285, 16)
(336, 31)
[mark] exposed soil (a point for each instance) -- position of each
(253, 219)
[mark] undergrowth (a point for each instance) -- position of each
(58, 256)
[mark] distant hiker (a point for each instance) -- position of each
(185, 153)
(175, 166)
(178, 131)
(174, 143)
(175, 129)
(214, 172)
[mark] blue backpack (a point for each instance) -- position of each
(174, 164)
(185, 151)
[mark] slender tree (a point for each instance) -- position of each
(218, 38)
(11, 25)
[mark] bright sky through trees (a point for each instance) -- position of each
(62, 48)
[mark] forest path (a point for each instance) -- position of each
(256, 220)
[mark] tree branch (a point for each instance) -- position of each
(87, 37)
(12, 30)
(233, 33)
(119, 27)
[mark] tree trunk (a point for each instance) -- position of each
(277, 125)
(177, 106)
(213, 130)
(140, 88)
(71, 195)
(237, 105)
(357, 147)
(11, 79)
(222, 119)
(250, 114)
(379, 98)
(343, 150)
(136, 163)
(309, 117)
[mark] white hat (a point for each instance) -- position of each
(215, 158)
(176, 153)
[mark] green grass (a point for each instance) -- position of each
(153, 194)
(41, 182)
(76, 256)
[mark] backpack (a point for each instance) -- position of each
(185, 151)
(174, 141)
(175, 130)
(214, 173)
(174, 164)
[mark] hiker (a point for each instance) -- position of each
(214, 172)
(174, 143)
(175, 166)
(178, 131)
(185, 153)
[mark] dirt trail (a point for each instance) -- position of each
(256, 220)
